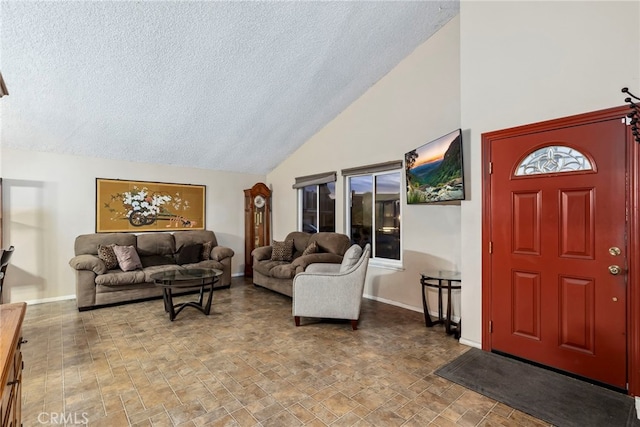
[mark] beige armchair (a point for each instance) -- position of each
(332, 291)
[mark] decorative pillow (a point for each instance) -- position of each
(311, 249)
(206, 250)
(350, 258)
(106, 254)
(128, 258)
(282, 251)
(189, 254)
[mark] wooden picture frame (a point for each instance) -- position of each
(139, 206)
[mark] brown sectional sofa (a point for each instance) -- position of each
(278, 275)
(96, 286)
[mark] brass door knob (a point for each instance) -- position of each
(614, 269)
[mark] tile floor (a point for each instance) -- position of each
(246, 364)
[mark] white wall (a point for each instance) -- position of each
(49, 199)
(416, 102)
(524, 62)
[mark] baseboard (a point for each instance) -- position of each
(391, 302)
(470, 343)
(405, 306)
(43, 300)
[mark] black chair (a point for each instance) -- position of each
(4, 262)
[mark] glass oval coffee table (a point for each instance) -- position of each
(186, 278)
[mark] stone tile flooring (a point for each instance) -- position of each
(246, 364)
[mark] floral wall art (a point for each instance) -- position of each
(138, 206)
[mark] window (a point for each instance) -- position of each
(373, 209)
(553, 159)
(316, 202)
(318, 207)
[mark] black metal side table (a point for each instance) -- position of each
(442, 280)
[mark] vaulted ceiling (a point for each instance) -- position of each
(232, 86)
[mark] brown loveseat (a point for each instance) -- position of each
(278, 275)
(97, 286)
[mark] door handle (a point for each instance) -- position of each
(614, 269)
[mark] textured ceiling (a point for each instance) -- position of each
(233, 86)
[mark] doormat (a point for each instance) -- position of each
(550, 396)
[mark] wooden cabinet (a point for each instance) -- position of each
(11, 317)
(257, 222)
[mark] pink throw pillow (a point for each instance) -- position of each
(128, 258)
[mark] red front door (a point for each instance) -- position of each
(557, 231)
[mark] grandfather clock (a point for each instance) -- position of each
(257, 222)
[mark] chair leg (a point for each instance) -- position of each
(297, 320)
(354, 324)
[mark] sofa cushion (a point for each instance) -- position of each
(283, 271)
(210, 263)
(282, 251)
(350, 258)
(148, 271)
(149, 244)
(275, 269)
(183, 238)
(153, 260)
(189, 254)
(265, 267)
(334, 243)
(88, 243)
(117, 277)
(128, 258)
(311, 249)
(106, 254)
(300, 242)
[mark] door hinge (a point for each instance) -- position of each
(491, 326)
(490, 168)
(490, 247)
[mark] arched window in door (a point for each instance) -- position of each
(553, 159)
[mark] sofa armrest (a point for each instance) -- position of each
(219, 253)
(88, 262)
(262, 253)
(323, 257)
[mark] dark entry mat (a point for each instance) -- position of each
(544, 394)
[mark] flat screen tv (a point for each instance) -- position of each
(434, 171)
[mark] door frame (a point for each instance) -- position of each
(632, 191)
